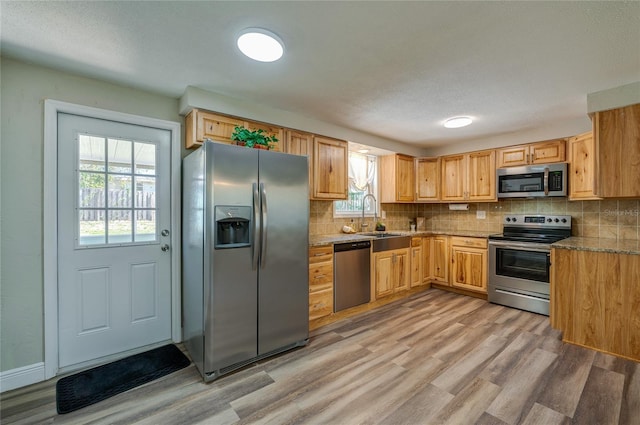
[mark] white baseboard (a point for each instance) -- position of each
(21, 377)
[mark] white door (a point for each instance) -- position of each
(114, 261)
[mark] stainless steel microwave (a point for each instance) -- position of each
(531, 181)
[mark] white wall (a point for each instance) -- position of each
(24, 88)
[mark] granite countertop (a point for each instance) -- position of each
(317, 240)
(600, 245)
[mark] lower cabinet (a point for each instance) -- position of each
(391, 271)
(416, 263)
(320, 281)
(440, 260)
(469, 263)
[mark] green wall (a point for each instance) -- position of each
(24, 88)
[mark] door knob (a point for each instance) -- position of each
(164, 247)
(165, 232)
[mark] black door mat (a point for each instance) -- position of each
(94, 385)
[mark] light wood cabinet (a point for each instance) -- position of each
(427, 179)
(330, 168)
(300, 143)
(416, 262)
(595, 300)
(427, 260)
(469, 177)
(534, 153)
(440, 259)
(582, 168)
(200, 125)
(397, 178)
(617, 143)
(469, 263)
(320, 281)
(391, 272)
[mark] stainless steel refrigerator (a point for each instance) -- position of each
(245, 255)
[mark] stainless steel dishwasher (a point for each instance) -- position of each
(352, 274)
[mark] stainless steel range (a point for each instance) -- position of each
(519, 260)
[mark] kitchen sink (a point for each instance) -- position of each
(390, 241)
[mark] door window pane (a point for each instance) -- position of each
(145, 158)
(119, 156)
(116, 191)
(91, 153)
(120, 226)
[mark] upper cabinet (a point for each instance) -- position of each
(427, 179)
(330, 168)
(397, 178)
(469, 177)
(534, 153)
(616, 136)
(200, 125)
(582, 171)
(300, 143)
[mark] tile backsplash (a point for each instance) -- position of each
(612, 219)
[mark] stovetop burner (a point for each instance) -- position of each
(535, 228)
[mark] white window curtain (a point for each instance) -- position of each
(362, 172)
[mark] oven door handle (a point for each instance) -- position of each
(522, 247)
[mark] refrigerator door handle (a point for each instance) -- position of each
(263, 226)
(256, 227)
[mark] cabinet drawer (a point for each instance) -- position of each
(320, 254)
(416, 241)
(469, 242)
(320, 304)
(320, 276)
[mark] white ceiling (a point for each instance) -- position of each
(392, 69)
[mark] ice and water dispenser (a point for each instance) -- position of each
(232, 226)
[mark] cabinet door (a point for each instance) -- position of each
(427, 265)
(300, 143)
(401, 270)
(384, 273)
(617, 140)
(453, 177)
(469, 268)
(512, 156)
(547, 152)
(320, 304)
(427, 179)
(582, 168)
(416, 266)
(216, 127)
(330, 162)
(481, 180)
(405, 178)
(440, 259)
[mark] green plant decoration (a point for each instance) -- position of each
(253, 138)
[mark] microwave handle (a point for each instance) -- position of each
(546, 181)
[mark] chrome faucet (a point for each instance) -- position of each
(363, 225)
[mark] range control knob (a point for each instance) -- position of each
(515, 219)
(564, 220)
(549, 220)
(508, 219)
(556, 220)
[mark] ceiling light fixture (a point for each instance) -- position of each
(260, 45)
(457, 122)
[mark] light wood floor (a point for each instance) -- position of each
(433, 358)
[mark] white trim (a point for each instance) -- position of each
(51, 110)
(21, 377)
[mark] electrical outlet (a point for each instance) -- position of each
(481, 215)
(383, 215)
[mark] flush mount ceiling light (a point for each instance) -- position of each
(457, 122)
(260, 44)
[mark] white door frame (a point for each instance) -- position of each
(50, 218)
